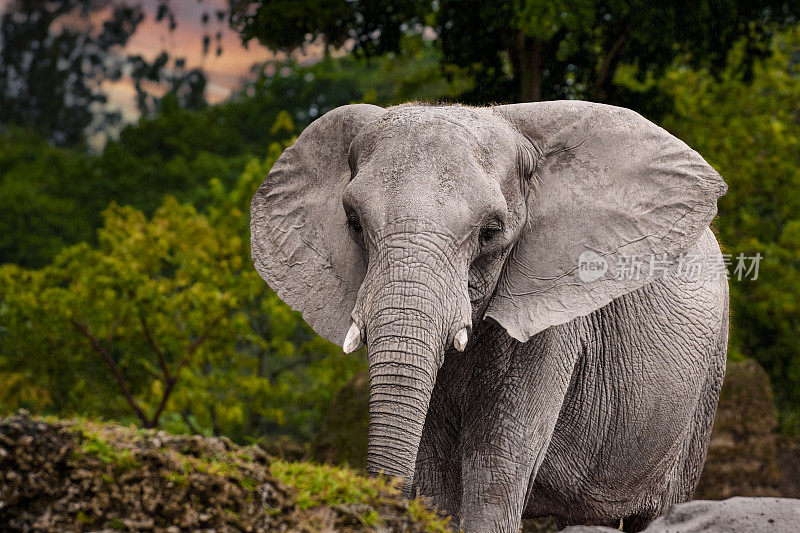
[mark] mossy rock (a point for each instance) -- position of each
(80, 475)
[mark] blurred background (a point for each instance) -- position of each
(133, 135)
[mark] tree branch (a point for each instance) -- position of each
(115, 370)
(173, 379)
(163, 403)
(206, 334)
(162, 362)
(188, 421)
(610, 60)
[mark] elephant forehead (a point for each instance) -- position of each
(383, 197)
(451, 165)
(439, 139)
(436, 185)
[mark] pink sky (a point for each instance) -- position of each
(225, 73)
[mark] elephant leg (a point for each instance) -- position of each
(517, 393)
(689, 466)
(438, 469)
(689, 471)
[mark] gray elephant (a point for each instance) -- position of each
(517, 367)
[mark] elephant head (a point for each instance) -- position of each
(403, 228)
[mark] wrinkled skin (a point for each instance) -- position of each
(413, 227)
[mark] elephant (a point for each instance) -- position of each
(517, 366)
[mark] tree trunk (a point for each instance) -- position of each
(530, 64)
(605, 74)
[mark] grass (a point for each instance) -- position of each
(248, 483)
(328, 485)
(420, 513)
(177, 478)
(318, 485)
(94, 444)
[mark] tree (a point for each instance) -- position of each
(375, 26)
(51, 196)
(305, 92)
(572, 48)
(40, 187)
(524, 50)
(53, 61)
(56, 55)
(151, 298)
(165, 322)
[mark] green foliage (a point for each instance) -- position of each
(522, 50)
(176, 152)
(171, 278)
(342, 438)
(51, 197)
(41, 188)
(181, 272)
(172, 310)
(746, 124)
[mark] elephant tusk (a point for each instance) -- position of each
(353, 340)
(460, 340)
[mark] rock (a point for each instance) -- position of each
(87, 476)
(734, 515)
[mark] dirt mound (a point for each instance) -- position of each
(789, 464)
(743, 449)
(85, 476)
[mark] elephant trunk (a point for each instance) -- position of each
(414, 311)
(402, 372)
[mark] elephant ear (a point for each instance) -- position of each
(298, 227)
(612, 191)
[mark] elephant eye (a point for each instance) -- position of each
(490, 231)
(354, 223)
